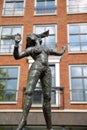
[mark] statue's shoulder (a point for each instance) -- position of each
(46, 49)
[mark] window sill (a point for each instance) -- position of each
(75, 52)
(40, 105)
(73, 102)
(76, 13)
(12, 15)
(4, 103)
(6, 54)
(45, 14)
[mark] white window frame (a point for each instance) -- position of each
(68, 37)
(13, 102)
(67, 4)
(71, 101)
(35, 3)
(53, 60)
(13, 14)
(22, 28)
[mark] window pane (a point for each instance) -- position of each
(74, 47)
(53, 97)
(85, 71)
(84, 47)
(83, 29)
(11, 84)
(77, 84)
(39, 30)
(83, 42)
(50, 43)
(83, 38)
(40, 3)
(77, 95)
(50, 2)
(82, 5)
(17, 30)
(6, 31)
(19, 5)
(76, 71)
(12, 72)
(73, 29)
(3, 72)
(85, 83)
(50, 40)
(72, 2)
(18, 8)
(53, 75)
(9, 5)
(74, 38)
(5, 46)
(51, 29)
(50, 5)
(9, 95)
(2, 84)
(86, 95)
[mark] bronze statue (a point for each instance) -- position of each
(39, 70)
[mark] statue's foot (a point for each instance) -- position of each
(21, 125)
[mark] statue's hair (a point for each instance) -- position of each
(31, 38)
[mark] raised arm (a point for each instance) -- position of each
(58, 53)
(16, 53)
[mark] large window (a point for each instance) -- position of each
(8, 84)
(78, 37)
(77, 6)
(45, 6)
(78, 78)
(6, 43)
(13, 7)
(48, 41)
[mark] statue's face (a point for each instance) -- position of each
(31, 40)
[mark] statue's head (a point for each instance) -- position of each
(31, 38)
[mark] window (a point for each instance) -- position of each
(45, 7)
(77, 6)
(7, 44)
(78, 37)
(8, 84)
(55, 93)
(13, 7)
(48, 41)
(78, 76)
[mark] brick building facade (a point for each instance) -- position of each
(67, 23)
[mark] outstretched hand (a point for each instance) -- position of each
(17, 38)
